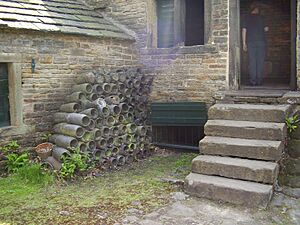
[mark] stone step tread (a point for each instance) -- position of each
(221, 106)
(241, 141)
(246, 129)
(244, 148)
(230, 183)
(245, 124)
(239, 192)
(249, 112)
(242, 169)
(237, 162)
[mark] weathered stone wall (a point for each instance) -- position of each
(291, 169)
(298, 46)
(58, 59)
(181, 73)
(135, 15)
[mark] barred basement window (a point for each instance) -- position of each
(180, 22)
(4, 94)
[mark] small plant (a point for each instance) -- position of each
(16, 161)
(292, 123)
(45, 137)
(13, 146)
(71, 164)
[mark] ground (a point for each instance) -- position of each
(138, 194)
(194, 211)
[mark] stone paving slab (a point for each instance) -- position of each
(195, 211)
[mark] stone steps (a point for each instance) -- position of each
(249, 112)
(246, 129)
(229, 190)
(243, 148)
(238, 161)
(242, 169)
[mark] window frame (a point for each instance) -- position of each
(179, 24)
(4, 98)
(17, 126)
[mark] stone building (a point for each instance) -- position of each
(192, 47)
(197, 55)
(43, 46)
(194, 50)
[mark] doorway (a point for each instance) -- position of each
(280, 62)
(277, 66)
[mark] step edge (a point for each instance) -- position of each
(218, 122)
(210, 139)
(200, 158)
(241, 184)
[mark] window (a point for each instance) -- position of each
(180, 22)
(4, 94)
(165, 26)
(194, 23)
(11, 101)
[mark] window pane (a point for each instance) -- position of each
(194, 22)
(4, 102)
(165, 15)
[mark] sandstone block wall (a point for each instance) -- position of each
(193, 73)
(292, 163)
(183, 73)
(59, 58)
(298, 46)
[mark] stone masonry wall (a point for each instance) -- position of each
(181, 73)
(298, 46)
(188, 73)
(58, 59)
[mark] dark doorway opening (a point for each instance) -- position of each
(278, 66)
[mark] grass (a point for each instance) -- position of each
(102, 200)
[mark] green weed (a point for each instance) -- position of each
(112, 193)
(16, 161)
(292, 123)
(77, 161)
(35, 174)
(10, 147)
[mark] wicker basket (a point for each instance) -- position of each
(44, 150)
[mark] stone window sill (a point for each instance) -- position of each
(197, 49)
(15, 130)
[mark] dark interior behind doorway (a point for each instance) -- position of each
(277, 69)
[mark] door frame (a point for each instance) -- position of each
(234, 67)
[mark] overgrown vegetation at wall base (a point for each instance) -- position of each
(292, 123)
(20, 169)
(77, 161)
(11, 146)
(16, 161)
(102, 200)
